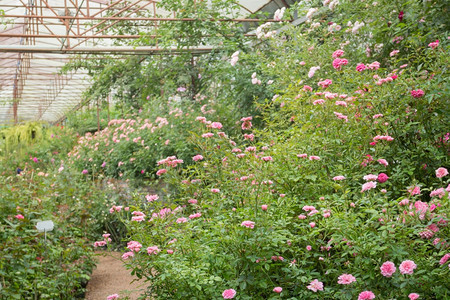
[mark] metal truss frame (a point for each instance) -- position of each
(44, 33)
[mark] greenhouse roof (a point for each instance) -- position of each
(41, 36)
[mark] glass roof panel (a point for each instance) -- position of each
(39, 37)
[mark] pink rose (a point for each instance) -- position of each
(441, 172)
(413, 296)
(229, 294)
(248, 224)
(346, 279)
(278, 289)
(366, 295)
(407, 267)
(382, 178)
(315, 286)
(417, 93)
(387, 269)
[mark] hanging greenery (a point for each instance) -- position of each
(18, 137)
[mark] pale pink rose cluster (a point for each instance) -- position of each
(134, 246)
(341, 116)
(153, 250)
(248, 224)
(255, 80)
(383, 138)
(115, 209)
(138, 216)
(325, 83)
(338, 63)
(337, 53)
(279, 14)
(318, 101)
(368, 186)
(151, 198)
(208, 135)
(171, 161)
(197, 157)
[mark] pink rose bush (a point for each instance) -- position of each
(312, 164)
(349, 136)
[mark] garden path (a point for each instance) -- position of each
(111, 277)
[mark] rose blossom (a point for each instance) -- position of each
(444, 259)
(126, 255)
(407, 267)
(153, 250)
(366, 295)
(433, 44)
(441, 172)
(315, 286)
(370, 177)
(346, 279)
(278, 289)
(368, 185)
(337, 53)
(387, 269)
(382, 178)
(229, 294)
(197, 157)
(361, 67)
(417, 93)
(413, 296)
(383, 162)
(248, 224)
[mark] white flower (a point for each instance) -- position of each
(357, 26)
(312, 71)
(310, 13)
(279, 14)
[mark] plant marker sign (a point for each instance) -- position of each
(45, 226)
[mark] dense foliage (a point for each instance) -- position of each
(342, 194)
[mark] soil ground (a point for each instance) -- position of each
(111, 277)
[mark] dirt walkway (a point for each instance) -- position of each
(111, 277)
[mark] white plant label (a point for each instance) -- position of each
(45, 226)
